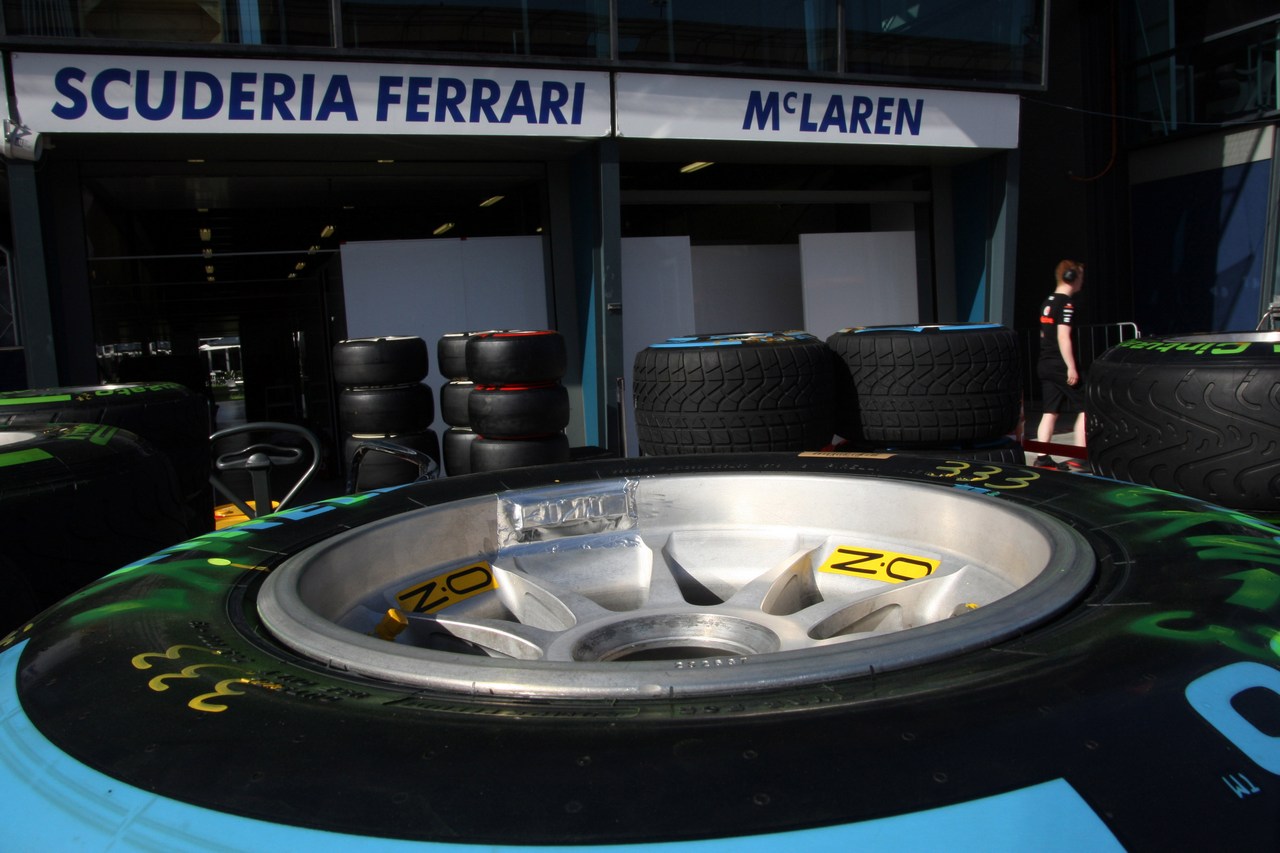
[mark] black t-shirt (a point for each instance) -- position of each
(1056, 311)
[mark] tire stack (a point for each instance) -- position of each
(952, 388)
(747, 392)
(383, 397)
(516, 408)
(455, 394)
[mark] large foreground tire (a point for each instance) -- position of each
(1196, 414)
(682, 649)
(733, 393)
(168, 416)
(77, 501)
(927, 386)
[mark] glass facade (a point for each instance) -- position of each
(978, 42)
(962, 40)
(1196, 64)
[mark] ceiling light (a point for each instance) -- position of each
(208, 268)
(195, 161)
(300, 266)
(202, 210)
(695, 166)
(293, 275)
(492, 200)
(209, 279)
(208, 253)
(384, 162)
(326, 232)
(206, 234)
(313, 250)
(448, 226)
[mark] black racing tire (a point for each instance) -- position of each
(456, 449)
(927, 385)
(516, 357)
(451, 354)
(733, 393)
(379, 470)
(370, 362)
(386, 411)
(501, 454)
(1006, 450)
(522, 411)
(78, 501)
(1131, 698)
(168, 416)
(1195, 414)
(453, 402)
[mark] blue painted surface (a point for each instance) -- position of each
(49, 801)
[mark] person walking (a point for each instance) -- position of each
(1062, 387)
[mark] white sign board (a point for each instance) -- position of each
(153, 94)
(655, 106)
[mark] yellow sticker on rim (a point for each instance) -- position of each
(446, 590)
(878, 565)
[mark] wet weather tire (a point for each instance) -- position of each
(922, 386)
(732, 393)
(1195, 414)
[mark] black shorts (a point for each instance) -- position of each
(1057, 396)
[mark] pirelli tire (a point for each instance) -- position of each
(391, 360)
(521, 411)
(516, 357)
(769, 391)
(500, 454)
(379, 470)
(1195, 414)
(386, 411)
(170, 417)
(927, 386)
(455, 447)
(78, 501)
(454, 402)
(676, 644)
(451, 354)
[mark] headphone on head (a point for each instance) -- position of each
(1070, 275)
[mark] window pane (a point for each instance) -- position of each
(752, 33)
(570, 28)
(998, 41)
(295, 22)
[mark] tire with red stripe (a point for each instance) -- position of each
(516, 357)
(520, 411)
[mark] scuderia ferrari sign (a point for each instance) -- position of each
(104, 94)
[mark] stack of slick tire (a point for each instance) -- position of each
(504, 402)
(169, 417)
(382, 396)
(1194, 414)
(926, 389)
(738, 392)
